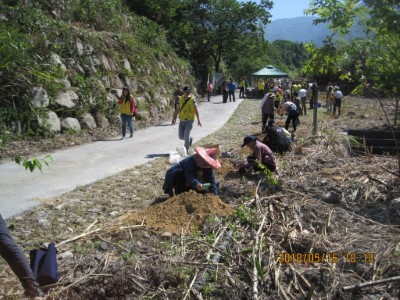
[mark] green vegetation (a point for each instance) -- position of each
(94, 46)
(83, 46)
(371, 62)
(33, 163)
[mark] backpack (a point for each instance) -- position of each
(43, 263)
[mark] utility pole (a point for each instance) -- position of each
(315, 101)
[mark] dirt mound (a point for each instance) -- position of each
(186, 211)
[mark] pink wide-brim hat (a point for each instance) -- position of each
(204, 158)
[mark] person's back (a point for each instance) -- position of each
(267, 104)
(276, 139)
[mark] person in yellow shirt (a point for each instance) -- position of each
(261, 87)
(187, 110)
(127, 109)
(242, 85)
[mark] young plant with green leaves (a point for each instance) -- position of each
(33, 163)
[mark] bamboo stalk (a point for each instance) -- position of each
(255, 270)
(191, 284)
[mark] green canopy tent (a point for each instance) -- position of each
(270, 72)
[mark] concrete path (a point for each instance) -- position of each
(21, 190)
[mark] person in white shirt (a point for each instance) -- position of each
(303, 100)
(290, 109)
(338, 100)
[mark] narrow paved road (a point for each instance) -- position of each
(21, 190)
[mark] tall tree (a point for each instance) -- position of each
(380, 64)
(381, 49)
(162, 12)
(214, 27)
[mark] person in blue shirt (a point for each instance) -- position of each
(184, 175)
(232, 88)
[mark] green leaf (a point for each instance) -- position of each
(260, 271)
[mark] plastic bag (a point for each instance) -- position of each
(174, 157)
(181, 151)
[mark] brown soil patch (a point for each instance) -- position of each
(182, 213)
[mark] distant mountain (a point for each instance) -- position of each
(301, 29)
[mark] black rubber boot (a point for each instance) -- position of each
(33, 291)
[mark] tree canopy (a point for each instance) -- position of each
(211, 33)
(376, 59)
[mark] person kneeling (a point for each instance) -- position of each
(261, 153)
(277, 138)
(184, 175)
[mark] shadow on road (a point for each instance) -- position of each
(118, 139)
(155, 155)
(168, 124)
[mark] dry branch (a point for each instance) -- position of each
(111, 243)
(191, 284)
(371, 283)
(77, 237)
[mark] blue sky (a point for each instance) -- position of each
(288, 8)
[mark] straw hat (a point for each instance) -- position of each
(205, 158)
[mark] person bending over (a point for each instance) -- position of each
(276, 138)
(184, 175)
(261, 154)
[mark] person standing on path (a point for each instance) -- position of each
(187, 110)
(127, 110)
(17, 261)
(242, 85)
(224, 89)
(232, 88)
(209, 90)
(177, 94)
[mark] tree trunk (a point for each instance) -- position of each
(396, 112)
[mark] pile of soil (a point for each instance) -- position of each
(185, 212)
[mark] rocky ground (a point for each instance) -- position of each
(326, 221)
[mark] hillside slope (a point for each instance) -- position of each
(61, 60)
